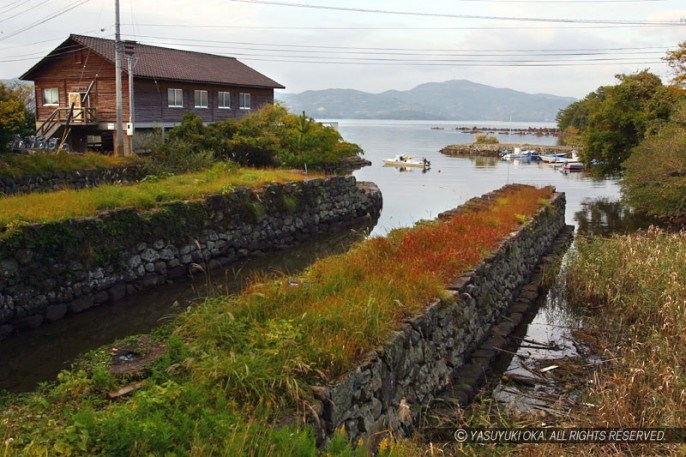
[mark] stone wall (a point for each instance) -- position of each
(49, 270)
(48, 182)
(387, 392)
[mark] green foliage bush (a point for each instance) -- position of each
(486, 139)
(270, 136)
(178, 156)
(15, 117)
(655, 177)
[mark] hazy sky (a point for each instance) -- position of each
(559, 47)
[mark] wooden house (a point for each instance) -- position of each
(166, 83)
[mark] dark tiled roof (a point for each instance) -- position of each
(175, 64)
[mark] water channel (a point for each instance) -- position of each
(31, 357)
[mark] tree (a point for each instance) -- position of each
(15, 117)
(637, 107)
(655, 177)
(677, 62)
(573, 120)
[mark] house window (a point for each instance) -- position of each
(245, 101)
(201, 99)
(51, 96)
(175, 97)
(224, 100)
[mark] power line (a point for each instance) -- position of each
(499, 27)
(50, 17)
(247, 43)
(459, 16)
(12, 5)
(24, 11)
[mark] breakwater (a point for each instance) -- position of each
(386, 393)
(495, 150)
(53, 269)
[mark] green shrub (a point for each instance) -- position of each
(178, 156)
(270, 136)
(655, 178)
(486, 139)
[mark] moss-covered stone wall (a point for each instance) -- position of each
(48, 182)
(52, 269)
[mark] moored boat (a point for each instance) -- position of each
(573, 166)
(406, 161)
(517, 153)
(553, 158)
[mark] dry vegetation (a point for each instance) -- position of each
(631, 293)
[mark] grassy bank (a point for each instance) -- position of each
(631, 293)
(73, 203)
(17, 165)
(235, 365)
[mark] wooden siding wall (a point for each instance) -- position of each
(68, 75)
(151, 102)
(74, 72)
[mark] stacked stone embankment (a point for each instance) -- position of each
(48, 182)
(386, 392)
(52, 269)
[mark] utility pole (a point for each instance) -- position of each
(131, 59)
(117, 69)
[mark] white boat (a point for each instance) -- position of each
(553, 158)
(406, 161)
(560, 158)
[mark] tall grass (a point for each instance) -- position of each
(634, 287)
(41, 163)
(631, 293)
(87, 202)
(235, 365)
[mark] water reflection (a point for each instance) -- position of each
(484, 162)
(604, 217)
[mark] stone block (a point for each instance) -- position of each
(101, 297)
(30, 322)
(81, 304)
(55, 312)
(5, 331)
(117, 292)
(177, 272)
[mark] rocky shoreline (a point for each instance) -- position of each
(494, 150)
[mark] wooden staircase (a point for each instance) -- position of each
(61, 117)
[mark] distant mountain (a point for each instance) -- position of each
(450, 100)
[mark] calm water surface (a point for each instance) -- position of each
(413, 195)
(35, 356)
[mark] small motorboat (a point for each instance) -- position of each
(560, 159)
(553, 158)
(406, 161)
(527, 154)
(573, 166)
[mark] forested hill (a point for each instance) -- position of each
(450, 100)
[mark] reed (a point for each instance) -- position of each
(631, 295)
